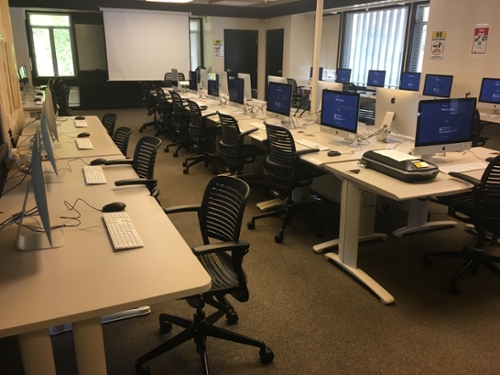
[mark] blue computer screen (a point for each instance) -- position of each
(279, 96)
(490, 91)
(213, 86)
(410, 81)
(376, 78)
(340, 110)
(445, 121)
(236, 90)
(343, 76)
(193, 81)
(437, 85)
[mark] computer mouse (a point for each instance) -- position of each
(490, 158)
(98, 161)
(113, 207)
(334, 153)
(83, 135)
(38, 100)
(80, 118)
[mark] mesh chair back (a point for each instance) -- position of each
(121, 137)
(109, 120)
(145, 156)
(230, 131)
(477, 127)
(489, 197)
(196, 124)
(163, 106)
(148, 100)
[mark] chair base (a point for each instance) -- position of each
(198, 329)
(474, 257)
(154, 123)
(205, 158)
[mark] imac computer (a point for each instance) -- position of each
(376, 78)
(236, 91)
(203, 79)
(223, 83)
(444, 125)
(339, 114)
(409, 81)
(279, 100)
(48, 108)
(490, 92)
(323, 85)
(247, 85)
(22, 74)
(343, 76)
(47, 142)
(175, 79)
(213, 86)
(193, 81)
(320, 73)
(276, 79)
(397, 110)
(437, 85)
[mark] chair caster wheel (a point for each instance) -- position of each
(427, 262)
(232, 317)
(141, 130)
(185, 171)
(266, 355)
(278, 239)
(184, 164)
(165, 149)
(251, 225)
(454, 289)
(142, 370)
(175, 154)
(165, 325)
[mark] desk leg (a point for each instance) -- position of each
(366, 225)
(89, 347)
(350, 213)
(36, 351)
(417, 219)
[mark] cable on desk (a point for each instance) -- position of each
(19, 183)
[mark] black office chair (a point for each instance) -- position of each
(149, 103)
(285, 172)
(121, 138)
(60, 93)
(109, 121)
(143, 164)
(477, 128)
(220, 215)
(296, 92)
(233, 151)
(164, 110)
(480, 207)
(203, 137)
(180, 125)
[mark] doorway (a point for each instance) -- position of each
(241, 52)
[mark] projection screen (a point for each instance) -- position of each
(142, 45)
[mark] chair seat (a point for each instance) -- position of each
(220, 268)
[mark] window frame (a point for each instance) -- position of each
(31, 43)
(200, 52)
(411, 36)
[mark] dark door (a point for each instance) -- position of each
(274, 53)
(240, 52)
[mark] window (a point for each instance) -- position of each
(195, 39)
(52, 45)
(416, 55)
(375, 40)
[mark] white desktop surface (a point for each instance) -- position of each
(66, 126)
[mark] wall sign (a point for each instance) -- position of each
(218, 48)
(480, 40)
(437, 45)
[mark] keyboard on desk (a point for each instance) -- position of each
(312, 144)
(465, 167)
(84, 144)
(80, 124)
(121, 230)
(94, 175)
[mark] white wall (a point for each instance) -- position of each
(20, 39)
(458, 18)
(330, 42)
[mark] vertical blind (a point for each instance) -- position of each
(375, 40)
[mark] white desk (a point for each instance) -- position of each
(67, 128)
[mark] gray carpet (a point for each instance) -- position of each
(316, 318)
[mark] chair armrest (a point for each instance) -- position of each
(209, 114)
(466, 178)
(222, 246)
(150, 183)
(116, 162)
(183, 208)
(248, 132)
(306, 151)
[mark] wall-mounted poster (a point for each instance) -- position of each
(437, 45)
(218, 48)
(480, 40)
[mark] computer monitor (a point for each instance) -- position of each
(236, 89)
(324, 85)
(247, 85)
(409, 81)
(50, 114)
(339, 114)
(320, 73)
(444, 125)
(213, 86)
(490, 92)
(193, 81)
(437, 85)
(23, 74)
(175, 78)
(404, 108)
(376, 78)
(47, 141)
(343, 76)
(203, 79)
(279, 100)
(276, 79)
(222, 83)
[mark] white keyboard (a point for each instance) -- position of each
(466, 167)
(312, 144)
(93, 174)
(121, 230)
(259, 125)
(84, 144)
(80, 124)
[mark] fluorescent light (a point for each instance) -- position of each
(170, 1)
